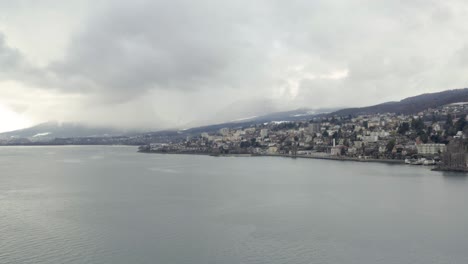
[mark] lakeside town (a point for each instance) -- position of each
(436, 136)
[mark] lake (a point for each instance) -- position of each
(113, 205)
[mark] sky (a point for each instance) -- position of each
(144, 64)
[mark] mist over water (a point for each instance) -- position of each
(113, 205)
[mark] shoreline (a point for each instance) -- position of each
(459, 170)
(337, 158)
(334, 158)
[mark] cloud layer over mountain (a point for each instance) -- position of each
(157, 64)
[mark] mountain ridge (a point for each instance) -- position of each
(411, 105)
(54, 129)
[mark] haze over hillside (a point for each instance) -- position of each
(411, 105)
(54, 129)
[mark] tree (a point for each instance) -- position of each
(423, 136)
(245, 144)
(436, 138)
(253, 142)
(460, 124)
(325, 133)
(449, 127)
(417, 124)
(342, 151)
(346, 143)
(429, 130)
(338, 134)
(448, 122)
(390, 145)
(403, 128)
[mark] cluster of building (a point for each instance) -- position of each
(377, 136)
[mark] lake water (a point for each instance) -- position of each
(113, 205)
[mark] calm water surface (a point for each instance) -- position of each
(113, 205)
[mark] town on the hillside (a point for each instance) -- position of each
(433, 137)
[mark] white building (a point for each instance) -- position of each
(224, 131)
(382, 134)
(436, 127)
(358, 144)
(272, 150)
(337, 150)
(459, 135)
(431, 148)
(370, 138)
(352, 151)
(313, 128)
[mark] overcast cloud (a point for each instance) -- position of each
(158, 64)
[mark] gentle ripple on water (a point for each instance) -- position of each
(113, 205)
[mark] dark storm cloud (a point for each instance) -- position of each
(15, 66)
(131, 47)
(12, 62)
(126, 48)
